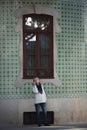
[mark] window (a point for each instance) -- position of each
(37, 26)
(37, 46)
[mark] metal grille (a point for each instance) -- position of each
(30, 117)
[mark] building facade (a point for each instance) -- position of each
(68, 100)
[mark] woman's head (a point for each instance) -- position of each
(36, 80)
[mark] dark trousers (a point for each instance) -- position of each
(43, 107)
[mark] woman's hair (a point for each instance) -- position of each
(36, 78)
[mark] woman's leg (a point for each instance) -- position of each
(37, 107)
(44, 109)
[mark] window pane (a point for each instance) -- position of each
(44, 51)
(44, 44)
(34, 22)
(30, 65)
(46, 73)
(30, 41)
(30, 45)
(44, 62)
(30, 62)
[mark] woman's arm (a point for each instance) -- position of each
(35, 90)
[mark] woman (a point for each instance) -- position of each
(40, 100)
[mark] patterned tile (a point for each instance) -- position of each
(71, 50)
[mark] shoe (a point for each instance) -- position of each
(46, 125)
(39, 125)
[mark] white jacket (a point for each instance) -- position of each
(39, 98)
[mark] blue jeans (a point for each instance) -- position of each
(43, 107)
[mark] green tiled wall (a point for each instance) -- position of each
(71, 50)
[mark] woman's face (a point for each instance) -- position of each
(36, 80)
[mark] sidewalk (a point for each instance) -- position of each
(52, 127)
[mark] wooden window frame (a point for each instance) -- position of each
(38, 32)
